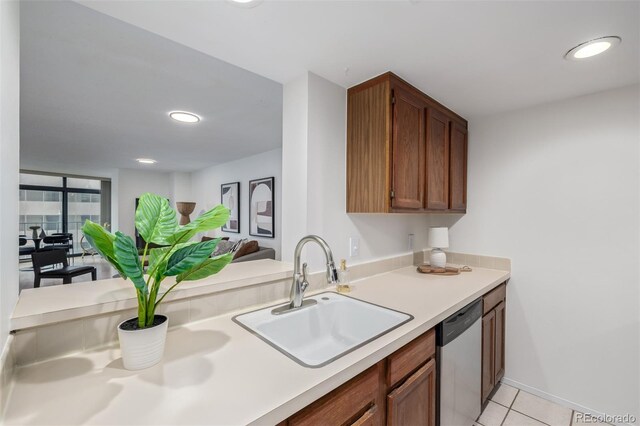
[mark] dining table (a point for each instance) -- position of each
(36, 242)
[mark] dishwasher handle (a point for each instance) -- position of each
(456, 324)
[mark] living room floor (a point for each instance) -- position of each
(104, 271)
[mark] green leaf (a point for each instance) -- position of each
(155, 219)
(102, 240)
(213, 219)
(205, 269)
(127, 255)
(188, 257)
(156, 256)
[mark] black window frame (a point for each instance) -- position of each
(65, 190)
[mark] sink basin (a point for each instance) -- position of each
(316, 335)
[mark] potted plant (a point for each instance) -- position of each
(142, 339)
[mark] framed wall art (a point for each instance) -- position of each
(261, 208)
(230, 198)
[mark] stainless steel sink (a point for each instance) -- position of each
(320, 333)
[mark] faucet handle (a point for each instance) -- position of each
(332, 273)
(305, 272)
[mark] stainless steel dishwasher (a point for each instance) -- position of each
(459, 366)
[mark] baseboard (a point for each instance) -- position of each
(556, 399)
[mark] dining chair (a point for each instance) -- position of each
(56, 242)
(42, 259)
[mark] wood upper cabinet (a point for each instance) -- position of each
(399, 150)
(458, 168)
(407, 188)
(437, 160)
(493, 339)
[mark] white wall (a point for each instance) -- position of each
(181, 187)
(556, 189)
(319, 157)
(132, 184)
(205, 191)
(295, 106)
(9, 159)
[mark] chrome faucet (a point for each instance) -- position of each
(300, 283)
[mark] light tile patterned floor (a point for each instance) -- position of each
(513, 407)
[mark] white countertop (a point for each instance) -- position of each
(47, 305)
(216, 372)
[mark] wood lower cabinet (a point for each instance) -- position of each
(358, 401)
(498, 361)
(414, 402)
(488, 353)
(493, 339)
(399, 390)
(406, 152)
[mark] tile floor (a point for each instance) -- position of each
(513, 407)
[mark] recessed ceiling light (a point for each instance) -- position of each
(184, 116)
(592, 47)
(146, 160)
(245, 3)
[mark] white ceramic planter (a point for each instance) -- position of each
(143, 348)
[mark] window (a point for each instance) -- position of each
(60, 203)
(83, 183)
(34, 195)
(40, 180)
(52, 196)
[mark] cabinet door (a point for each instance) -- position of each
(347, 404)
(414, 402)
(407, 151)
(458, 168)
(498, 364)
(437, 160)
(488, 353)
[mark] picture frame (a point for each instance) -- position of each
(230, 198)
(262, 207)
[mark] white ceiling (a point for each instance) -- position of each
(95, 93)
(477, 57)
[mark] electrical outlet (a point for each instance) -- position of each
(410, 242)
(354, 246)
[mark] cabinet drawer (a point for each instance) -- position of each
(495, 296)
(367, 419)
(357, 401)
(411, 356)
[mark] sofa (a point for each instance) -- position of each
(262, 253)
(245, 250)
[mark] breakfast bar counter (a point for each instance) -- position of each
(216, 372)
